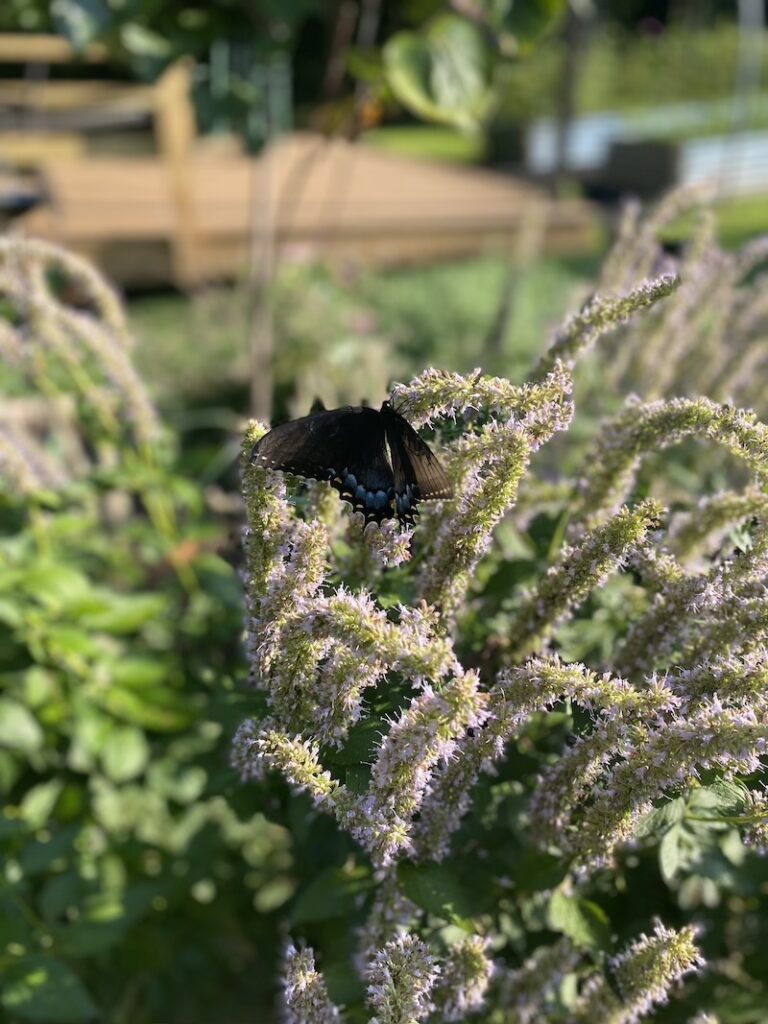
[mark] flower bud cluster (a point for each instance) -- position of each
(56, 345)
(25, 466)
(464, 979)
(707, 338)
(691, 700)
(306, 998)
(577, 572)
(662, 761)
(599, 315)
(692, 618)
(642, 977)
(401, 978)
(714, 514)
(642, 429)
(508, 424)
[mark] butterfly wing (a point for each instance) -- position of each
(417, 471)
(346, 447)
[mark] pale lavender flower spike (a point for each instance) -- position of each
(682, 694)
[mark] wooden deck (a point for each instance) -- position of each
(191, 212)
(316, 198)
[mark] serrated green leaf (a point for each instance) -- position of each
(584, 922)
(724, 797)
(359, 745)
(675, 851)
(436, 889)
(535, 871)
(332, 893)
(661, 818)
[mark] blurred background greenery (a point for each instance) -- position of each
(142, 882)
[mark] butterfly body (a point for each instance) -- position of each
(373, 458)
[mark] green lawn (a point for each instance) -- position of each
(739, 220)
(429, 142)
(359, 333)
(347, 337)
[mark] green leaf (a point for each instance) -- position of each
(17, 925)
(37, 803)
(40, 988)
(677, 851)
(54, 584)
(138, 673)
(11, 828)
(19, 729)
(518, 24)
(143, 42)
(333, 893)
(733, 847)
(71, 645)
(90, 938)
(443, 72)
(10, 613)
(529, 20)
(152, 709)
(126, 613)
(584, 922)
(436, 889)
(534, 871)
(660, 819)
(509, 576)
(62, 892)
(125, 754)
(360, 743)
(723, 798)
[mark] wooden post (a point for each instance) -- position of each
(262, 272)
(176, 131)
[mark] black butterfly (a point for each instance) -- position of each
(348, 447)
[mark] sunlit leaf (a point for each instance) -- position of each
(126, 613)
(19, 729)
(143, 42)
(125, 754)
(81, 21)
(442, 73)
(583, 921)
(38, 802)
(41, 988)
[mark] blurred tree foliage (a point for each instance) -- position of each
(343, 63)
(622, 70)
(438, 60)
